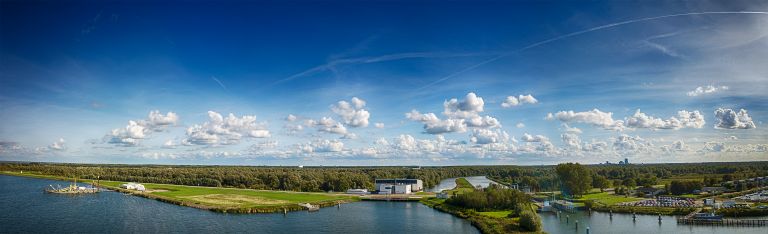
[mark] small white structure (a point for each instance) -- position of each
(357, 191)
(133, 186)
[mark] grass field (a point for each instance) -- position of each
(222, 199)
(233, 198)
(496, 214)
(608, 199)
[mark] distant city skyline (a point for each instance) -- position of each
(383, 83)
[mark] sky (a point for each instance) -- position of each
(383, 82)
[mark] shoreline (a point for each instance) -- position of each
(213, 208)
(484, 224)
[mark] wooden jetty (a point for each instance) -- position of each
(724, 222)
(690, 219)
(564, 206)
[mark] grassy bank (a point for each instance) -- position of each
(487, 222)
(604, 198)
(227, 200)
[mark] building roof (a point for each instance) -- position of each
(397, 181)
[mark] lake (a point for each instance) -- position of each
(25, 208)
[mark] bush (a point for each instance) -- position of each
(490, 199)
(530, 221)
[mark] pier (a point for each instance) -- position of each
(691, 220)
(724, 222)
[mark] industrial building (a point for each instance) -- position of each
(398, 186)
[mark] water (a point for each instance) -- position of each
(24, 208)
(622, 223)
(450, 183)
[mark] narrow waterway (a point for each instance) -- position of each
(450, 183)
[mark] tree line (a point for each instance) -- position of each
(316, 179)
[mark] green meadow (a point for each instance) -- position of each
(221, 199)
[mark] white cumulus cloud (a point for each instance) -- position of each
(352, 113)
(323, 146)
(594, 117)
(709, 89)
(219, 130)
(131, 134)
(511, 101)
(531, 138)
(685, 119)
(488, 136)
(730, 119)
(460, 115)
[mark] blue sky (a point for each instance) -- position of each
(533, 82)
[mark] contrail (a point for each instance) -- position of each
(582, 32)
(218, 81)
(390, 57)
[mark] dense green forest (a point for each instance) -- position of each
(539, 178)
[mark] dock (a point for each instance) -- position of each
(690, 220)
(724, 222)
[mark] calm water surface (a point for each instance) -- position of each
(24, 208)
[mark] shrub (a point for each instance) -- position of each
(530, 221)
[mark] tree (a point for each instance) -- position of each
(629, 182)
(678, 187)
(600, 182)
(530, 221)
(575, 178)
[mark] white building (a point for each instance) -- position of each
(133, 186)
(398, 186)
